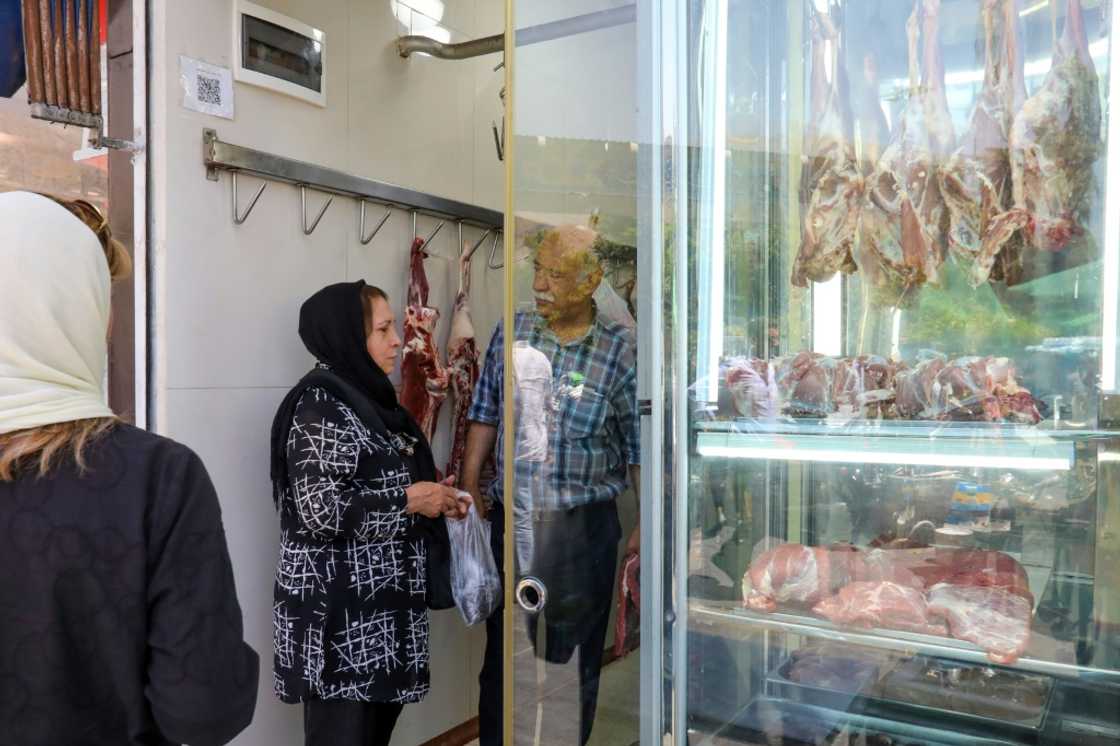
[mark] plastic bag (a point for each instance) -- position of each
(474, 574)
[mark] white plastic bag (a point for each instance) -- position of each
(474, 574)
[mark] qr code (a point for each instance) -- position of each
(209, 90)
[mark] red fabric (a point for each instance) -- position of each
(424, 378)
(628, 617)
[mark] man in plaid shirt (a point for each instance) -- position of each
(572, 460)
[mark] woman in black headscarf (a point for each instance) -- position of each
(354, 481)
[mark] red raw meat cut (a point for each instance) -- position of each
(914, 388)
(789, 573)
(965, 567)
(753, 389)
(463, 371)
(992, 618)
(880, 604)
(425, 379)
(805, 384)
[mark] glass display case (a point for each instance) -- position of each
(888, 432)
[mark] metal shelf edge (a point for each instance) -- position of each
(224, 156)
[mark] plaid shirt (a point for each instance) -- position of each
(594, 430)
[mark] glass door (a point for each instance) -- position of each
(889, 253)
(570, 516)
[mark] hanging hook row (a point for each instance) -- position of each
(362, 237)
(307, 231)
(238, 216)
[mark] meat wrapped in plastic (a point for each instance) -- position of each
(880, 604)
(754, 391)
(991, 618)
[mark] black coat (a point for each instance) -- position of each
(350, 614)
(119, 623)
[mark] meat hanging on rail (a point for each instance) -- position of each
(831, 183)
(462, 368)
(1054, 142)
(903, 222)
(976, 181)
(425, 379)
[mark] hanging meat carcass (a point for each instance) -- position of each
(463, 369)
(976, 181)
(903, 222)
(874, 133)
(425, 379)
(1054, 143)
(831, 183)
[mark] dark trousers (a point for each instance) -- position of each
(344, 723)
(575, 554)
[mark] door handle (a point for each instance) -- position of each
(531, 594)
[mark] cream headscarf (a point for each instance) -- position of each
(54, 315)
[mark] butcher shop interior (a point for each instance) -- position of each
(834, 458)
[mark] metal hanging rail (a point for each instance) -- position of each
(222, 156)
(408, 45)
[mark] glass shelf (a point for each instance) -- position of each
(964, 445)
(732, 619)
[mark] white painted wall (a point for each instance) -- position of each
(226, 297)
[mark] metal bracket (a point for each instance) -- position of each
(303, 206)
(363, 239)
(493, 251)
(99, 140)
(239, 217)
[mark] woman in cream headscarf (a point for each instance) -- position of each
(118, 618)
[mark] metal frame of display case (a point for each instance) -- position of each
(782, 448)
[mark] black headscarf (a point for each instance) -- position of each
(332, 327)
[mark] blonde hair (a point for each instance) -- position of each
(41, 448)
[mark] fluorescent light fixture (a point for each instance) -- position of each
(713, 197)
(870, 456)
(1034, 8)
(828, 331)
(1111, 263)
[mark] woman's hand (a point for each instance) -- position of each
(433, 500)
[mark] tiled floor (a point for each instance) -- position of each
(616, 721)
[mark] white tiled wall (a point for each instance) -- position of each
(226, 297)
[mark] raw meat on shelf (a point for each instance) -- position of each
(788, 574)
(831, 183)
(863, 384)
(993, 619)
(808, 384)
(1054, 143)
(880, 604)
(904, 218)
(976, 181)
(754, 392)
(915, 388)
(805, 384)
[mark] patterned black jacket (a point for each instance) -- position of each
(350, 620)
